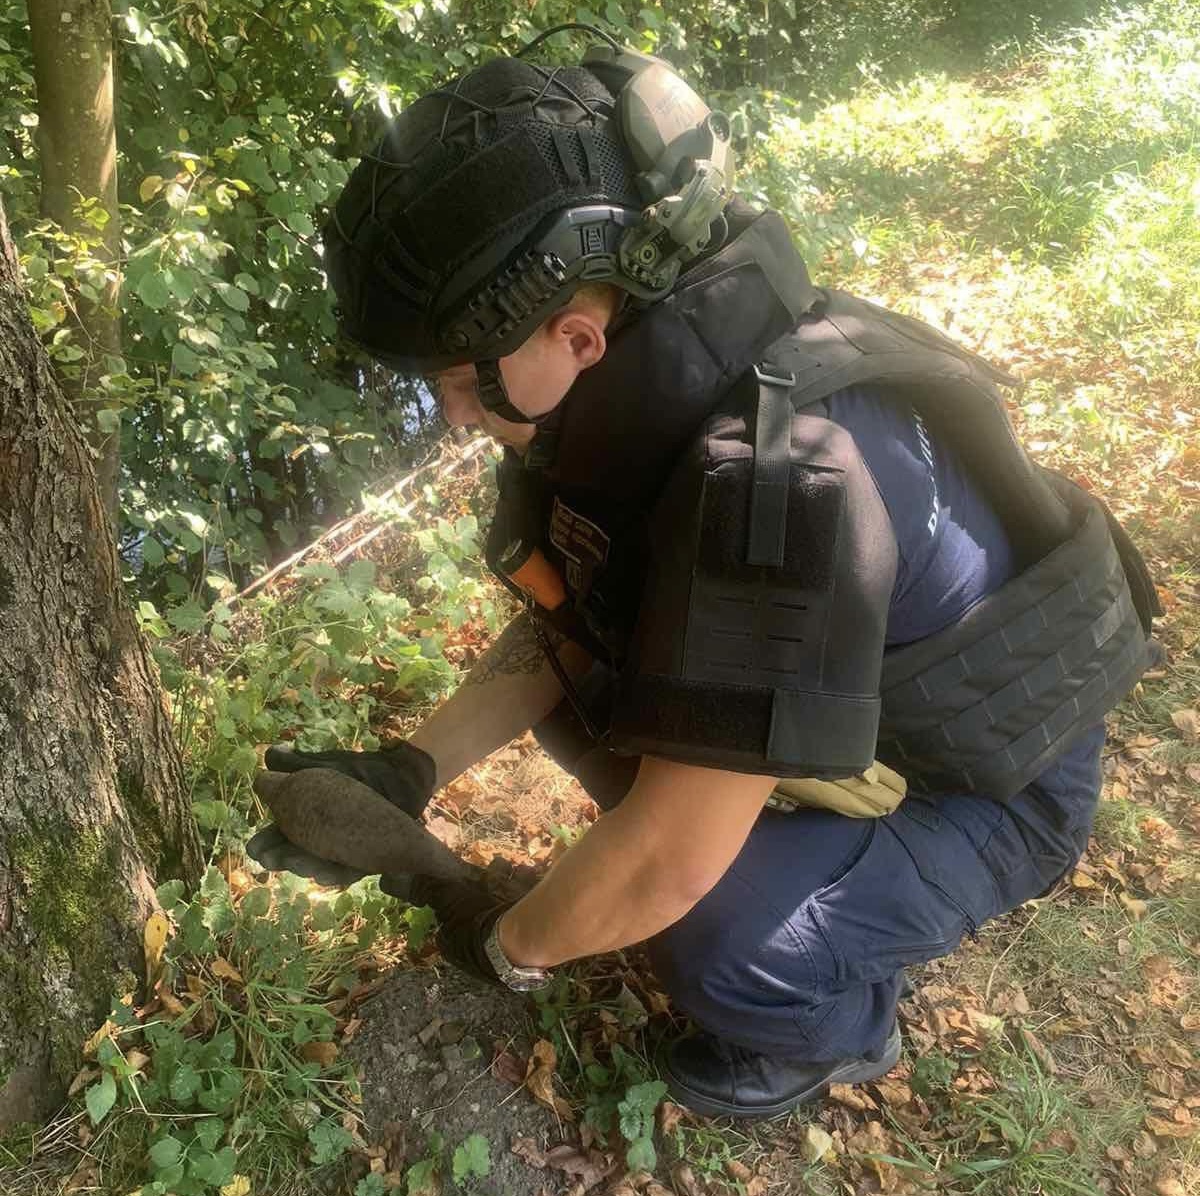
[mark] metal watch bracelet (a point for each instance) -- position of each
(519, 979)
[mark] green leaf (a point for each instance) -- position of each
(300, 222)
(329, 1141)
(209, 1132)
(152, 290)
(473, 1157)
(184, 361)
(100, 1097)
(150, 186)
(422, 1178)
(184, 1084)
(152, 553)
(211, 814)
(641, 1155)
(321, 917)
(166, 1152)
(256, 902)
(170, 893)
(244, 760)
(371, 1185)
(419, 920)
(187, 616)
(214, 1169)
(233, 297)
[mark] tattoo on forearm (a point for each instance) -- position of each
(516, 651)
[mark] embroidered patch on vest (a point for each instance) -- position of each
(579, 540)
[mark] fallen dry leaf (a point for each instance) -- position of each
(589, 1168)
(154, 941)
(82, 1079)
(893, 1092)
(851, 1097)
(1187, 722)
(509, 1067)
(1081, 880)
(539, 1080)
(684, 1180)
(737, 1170)
(224, 970)
(815, 1143)
(1168, 1185)
(105, 1031)
(1144, 1146)
(238, 1186)
(1161, 1128)
(1040, 1051)
(527, 1150)
(323, 1053)
(669, 1116)
(1133, 906)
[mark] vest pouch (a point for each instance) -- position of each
(874, 793)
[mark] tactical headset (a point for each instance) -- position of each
(682, 152)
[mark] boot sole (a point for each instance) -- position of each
(854, 1071)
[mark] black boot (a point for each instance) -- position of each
(717, 1079)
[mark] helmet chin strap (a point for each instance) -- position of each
(492, 395)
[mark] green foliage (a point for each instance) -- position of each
(620, 1095)
(225, 1080)
(472, 1159)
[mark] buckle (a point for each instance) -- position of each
(771, 375)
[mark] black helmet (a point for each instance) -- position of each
(490, 201)
(441, 246)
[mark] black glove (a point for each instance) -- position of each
(403, 774)
(279, 854)
(466, 913)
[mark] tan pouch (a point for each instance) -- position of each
(871, 794)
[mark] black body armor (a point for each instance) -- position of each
(725, 548)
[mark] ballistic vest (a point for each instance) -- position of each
(721, 544)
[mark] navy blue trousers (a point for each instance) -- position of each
(798, 950)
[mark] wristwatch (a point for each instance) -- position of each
(522, 980)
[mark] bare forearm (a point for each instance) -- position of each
(511, 688)
(603, 894)
(640, 868)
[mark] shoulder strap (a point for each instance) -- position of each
(772, 449)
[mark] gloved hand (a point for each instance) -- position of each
(403, 774)
(466, 913)
(278, 854)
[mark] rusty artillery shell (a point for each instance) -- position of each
(341, 819)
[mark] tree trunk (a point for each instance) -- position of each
(77, 145)
(93, 811)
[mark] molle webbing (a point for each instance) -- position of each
(988, 703)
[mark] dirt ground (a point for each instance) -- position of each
(426, 1055)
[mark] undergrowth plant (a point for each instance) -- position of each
(232, 1069)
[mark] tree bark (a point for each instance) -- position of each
(77, 145)
(93, 810)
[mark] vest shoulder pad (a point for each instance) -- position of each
(760, 668)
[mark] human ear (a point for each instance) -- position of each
(581, 334)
